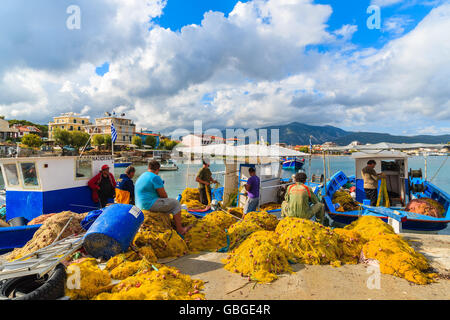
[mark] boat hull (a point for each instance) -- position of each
(122, 165)
(16, 237)
(292, 165)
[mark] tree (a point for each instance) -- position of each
(108, 141)
(32, 140)
(150, 141)
(79, 139)
(167, 144)
(98, 140)
(62, 137)
(137, 141)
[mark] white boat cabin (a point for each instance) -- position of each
(37, 186)
(394, 165)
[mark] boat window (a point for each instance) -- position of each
(84, 168)
(12, 177)
(29, 174)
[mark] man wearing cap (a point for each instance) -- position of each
(204, 179)
(103, 186)
(301, 202)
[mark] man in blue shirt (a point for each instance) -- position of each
(252, 188)
(151, 196)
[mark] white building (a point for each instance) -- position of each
(198, 140)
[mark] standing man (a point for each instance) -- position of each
(204, 179)
(301, 202)
(252, 187)
(125, 187)
(103, 186)
(371, 178)
(151, 196)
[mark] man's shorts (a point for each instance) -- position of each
(251, 205)
(166, 205)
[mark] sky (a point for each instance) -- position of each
(236, 64)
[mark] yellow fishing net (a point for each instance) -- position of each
(270, 206)
(369, 227)
(128, 268)
(345, 201)
(259, 257)
(191, 198)
(238, 212)
(239, 231)
(308, 242)
(156, 222)
(221, 219)
(166, 244)
(165, 284)
(206, 236)
(398, 258)
(85, 280)
(187, 219)
(265, 220)
(351, 245)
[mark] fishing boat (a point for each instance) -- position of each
(38, 186)
(122, 164)
(168, 165)
(293, 163)
(402, 186)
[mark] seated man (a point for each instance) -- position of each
(125, 187)
(151, 196)
(298, 201)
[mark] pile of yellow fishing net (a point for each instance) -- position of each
(85, 280)
(259, 257)
(395, 255)
(270, 206)
(221, 219)
(345, 201)
(263, 219)
(165, 284)
(191, 198)
(205, 236)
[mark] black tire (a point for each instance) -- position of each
(50, 287)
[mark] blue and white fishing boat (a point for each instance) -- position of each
(293, 163)
(38, 186)
(402, 187)
(122, 164)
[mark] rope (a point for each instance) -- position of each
(443, 162)
(383, 194)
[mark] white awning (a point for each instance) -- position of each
(251, 150)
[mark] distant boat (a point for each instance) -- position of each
(122, 164)
(168, 165)
(293, 164)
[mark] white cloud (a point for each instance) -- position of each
(386, 3)
(253, 63)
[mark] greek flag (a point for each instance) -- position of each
(113, 133)
(310, 144)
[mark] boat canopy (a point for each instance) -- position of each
(379, 155)
(250, 150)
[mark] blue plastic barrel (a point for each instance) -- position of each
(113, 231)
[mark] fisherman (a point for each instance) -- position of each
(252, 188)
(371, 178)
(125, 187)
(103, 186)
(301, 202)
(151, 196)
(204, 179)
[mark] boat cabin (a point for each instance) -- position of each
(394, 165)
(37, 186)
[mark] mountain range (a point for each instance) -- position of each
(298, 134)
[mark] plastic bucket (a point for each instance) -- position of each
(113, 231)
